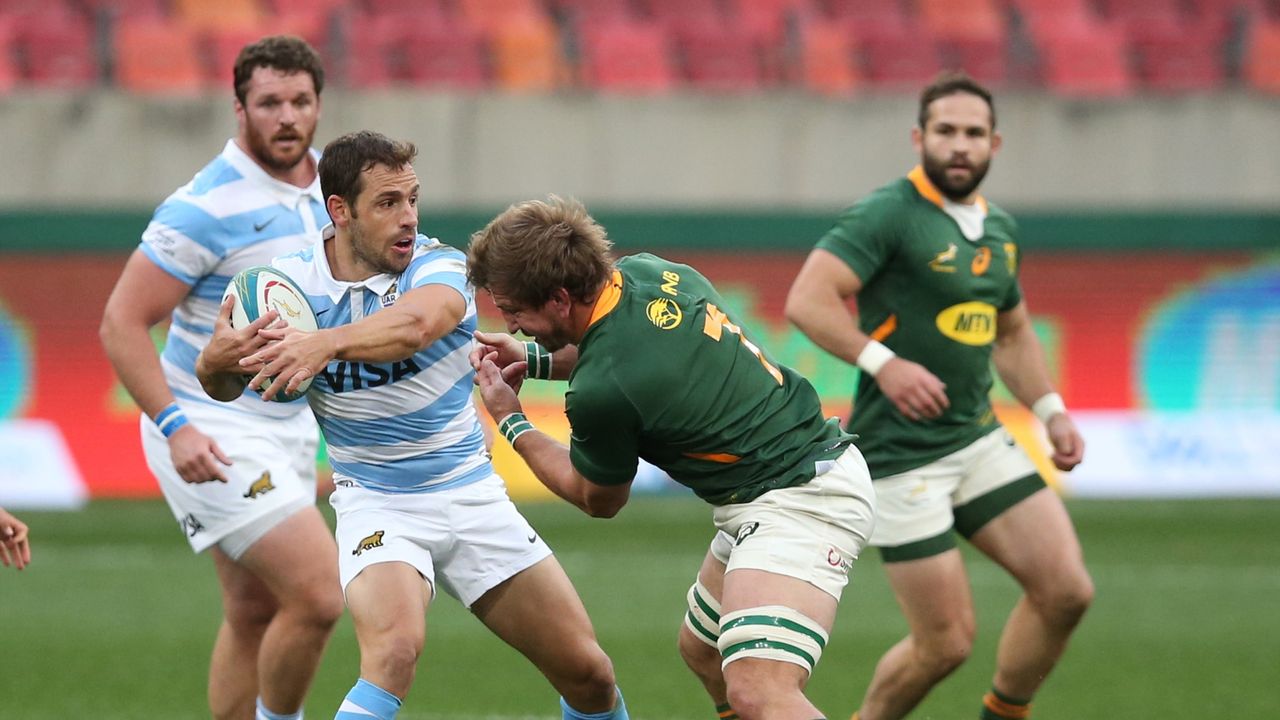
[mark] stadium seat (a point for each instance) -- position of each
(157, 56)
(57, 49)
(962, 19)
(1093, 63)
(1192, 60)
(871, 16)
(825, 59)
(581, 12)
(372, 57)
(1262, 55)
(450, 55)
(9, 72)
(675, 15)
(1047, 18)
(222, 45)
(206, 15)
(768, 20)
(897, 60)
(719, 57)
(527, 56)
(627, 57)
(112, 10)
(490, 15)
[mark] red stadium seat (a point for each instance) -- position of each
(206, 15)
(719, 58)
(448, 56)
(372, 57)
(898, 60)
(58, 50)
(627, 57)
(1186, 62)
(9, 72)
(156, 56)
(1093, 63)
(222, 45)
(675, 15)
(120, 9)
(872, 16)
(962, 19)
(583, 12)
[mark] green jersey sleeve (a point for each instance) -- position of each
(863, 237)
(604, 437)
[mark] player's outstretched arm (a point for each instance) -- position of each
(547, 458)
(15, 548)
(509, 350)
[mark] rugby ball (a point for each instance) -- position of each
(260, 289)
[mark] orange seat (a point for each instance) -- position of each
(962, 19)
(1262, 56)
(629, 57)
(491, 15)
(120, 9)
(825, 59)
(527, 56)
(209, 15)
(157, 56)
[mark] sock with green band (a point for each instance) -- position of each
(998, 706)
(538, 360)
(726, 712)
(513, 426)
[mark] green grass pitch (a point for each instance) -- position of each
(115, 619)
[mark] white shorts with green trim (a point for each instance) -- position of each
(812, 532)
(921, 503)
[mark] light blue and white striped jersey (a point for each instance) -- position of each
(407, 426)
(232, 215)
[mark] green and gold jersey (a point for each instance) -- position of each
(664, 375)
(931, 295)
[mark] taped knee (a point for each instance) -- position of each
(771, 632)
(703, 618)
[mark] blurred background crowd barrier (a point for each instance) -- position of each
(1140, 160)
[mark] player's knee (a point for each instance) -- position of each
(249, 614)
(752, 695)
(392, 654)
(943, 652)
(701, 657)
(319, 606)
(587, 680)
(1067, 602)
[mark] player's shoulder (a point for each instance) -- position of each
(433, 248)
(998, 217)
(887, 202)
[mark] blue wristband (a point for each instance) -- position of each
(170, 419)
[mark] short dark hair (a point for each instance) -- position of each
(345, 159)
(949, 83)
(286, 53)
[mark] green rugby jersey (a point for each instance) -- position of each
(932, 296)
(663, 375)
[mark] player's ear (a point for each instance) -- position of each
(338, 210)
(996, 141)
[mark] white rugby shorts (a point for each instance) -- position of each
(919, 504)
(812, 532)
(469, 539)
(272, 475)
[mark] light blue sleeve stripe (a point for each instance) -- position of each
(457, 281)
(192, 222)
(161, 263)
(395, 429)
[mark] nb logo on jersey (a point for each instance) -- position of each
(369, 543)
(746, 531)
(664, 313)
(343, 376)
(970, 323)
(190, 525)
(937, 264)
(261, 486)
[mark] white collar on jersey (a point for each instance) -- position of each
(284, 193)
(334, 288)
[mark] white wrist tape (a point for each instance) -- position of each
(1047, 406)
(874, 356)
